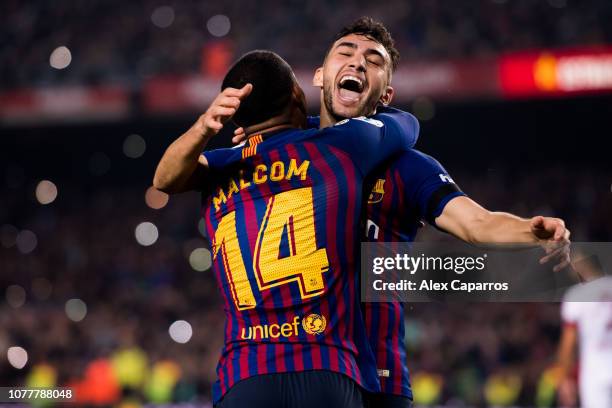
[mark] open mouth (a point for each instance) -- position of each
(350, 88)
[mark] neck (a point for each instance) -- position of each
(326, 119)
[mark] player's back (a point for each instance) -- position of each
(282, 215)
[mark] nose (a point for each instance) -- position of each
(358, 62)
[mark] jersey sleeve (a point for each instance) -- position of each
(401, 121)
(371, 141)
(219, 158)
(427, 184)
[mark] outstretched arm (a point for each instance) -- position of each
(470, 222)
(182, 167)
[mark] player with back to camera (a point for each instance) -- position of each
(413, 186)
(283, 213)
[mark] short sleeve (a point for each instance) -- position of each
(427, 184)
(219, 158)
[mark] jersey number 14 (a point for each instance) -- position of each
(289, 213)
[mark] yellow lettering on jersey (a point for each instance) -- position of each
(295, 171)
(219, 199)
(233, 188)
(277, 171)
(244, 184)
(258, 177)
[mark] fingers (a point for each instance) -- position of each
(537, 222)
(228, 101)
(239, 135)
(245, 91)
(238, 93)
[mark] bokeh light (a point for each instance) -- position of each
(60, 57)
(26, 241)
(15, 296)
(8, 235)
(76, 310)
(146, 233)
(46, 192)
(200, 259)
(134, 146)
(156, 199)
(162, 16)
(218, 25)
(17, 357)
(180, 331)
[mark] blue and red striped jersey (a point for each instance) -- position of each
(282, 214)
(410, 187)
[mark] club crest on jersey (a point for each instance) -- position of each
(314, 324)
(378, 192)
(250, 148)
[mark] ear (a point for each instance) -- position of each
(387, 96)
(317, 79)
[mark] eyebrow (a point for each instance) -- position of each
(354, 46)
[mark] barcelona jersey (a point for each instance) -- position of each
(411, 187)
(282, 214)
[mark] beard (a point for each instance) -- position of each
(365, 108)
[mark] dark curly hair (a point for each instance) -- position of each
(374, 30)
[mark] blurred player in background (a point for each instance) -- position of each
(283, 215)
(587, 323)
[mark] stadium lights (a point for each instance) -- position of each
(162, 16)
(17, 357)
(200, 259)
(180, 331)
(76, 309)
(60, 57)
(26, 241)
(219, 25)
(46, 192)
(134, 146)
(146, 233)
(156, 199)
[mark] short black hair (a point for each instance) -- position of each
(374, 30)
(272, 79)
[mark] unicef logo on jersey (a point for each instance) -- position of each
(314, 324)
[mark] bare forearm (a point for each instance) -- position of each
(500, 228)
(180, 161)
(470, 222)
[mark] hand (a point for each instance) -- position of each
(222, 109)
(554, 236)
(239, 136)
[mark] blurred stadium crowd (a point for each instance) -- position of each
(94, 298)
(129, 42)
